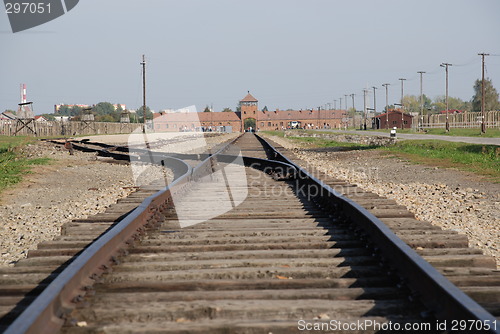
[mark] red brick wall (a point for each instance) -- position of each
(395, 120)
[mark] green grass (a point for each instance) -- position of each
(12, 164)
(275, 133)
(490, 133)
(480, 159)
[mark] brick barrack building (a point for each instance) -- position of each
(392, 119)
(249, 111)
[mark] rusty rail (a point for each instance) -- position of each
(46, 313)
(435, 291)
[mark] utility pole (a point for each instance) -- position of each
(335, 104)
(374, 101)
(144, 91)
(386, 104)
(340, 107)
(421, 101)
(319, 116)
(345, 101)
(402, 104)
(354, 112)
(364, 105)
(483, 123)
(445, 65)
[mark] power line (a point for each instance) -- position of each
(467, 63)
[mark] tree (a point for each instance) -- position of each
(103, 108)
(454, 103)
(491, 101)
(249, 122)
(390, 106)
(75, 110)
(105, 118)
(411, 103)
(103, 111)
(207, 109)
(427, 103)
(64, 110)
(140, 114)
(438, 105)
(227, 110)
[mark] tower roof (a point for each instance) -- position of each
(249, 98)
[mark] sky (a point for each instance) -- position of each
(288, 53)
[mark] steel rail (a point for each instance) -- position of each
(109, 151)
(229, 155)
(46, 313)
(446, 301)
(436, 292)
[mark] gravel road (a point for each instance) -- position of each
(470, 140)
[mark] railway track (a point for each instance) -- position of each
(293, 255)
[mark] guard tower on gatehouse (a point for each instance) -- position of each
(249, 111)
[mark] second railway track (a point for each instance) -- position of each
(280, 262)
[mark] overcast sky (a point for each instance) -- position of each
(287, 53)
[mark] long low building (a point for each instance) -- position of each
(250, 116)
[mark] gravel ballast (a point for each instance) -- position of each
(70, 187)
(448, 198)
